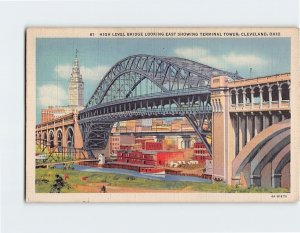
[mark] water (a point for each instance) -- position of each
(165, 177)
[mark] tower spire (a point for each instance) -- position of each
(76, 84)
(75, 68)
(76, 53)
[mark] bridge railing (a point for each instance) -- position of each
(163, 111)
(264, 106)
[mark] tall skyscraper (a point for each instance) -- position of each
(76, 85)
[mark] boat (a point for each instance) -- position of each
(152, 170)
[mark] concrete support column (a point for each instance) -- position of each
(255, 180)
(260, 98)
(47, 137)
(55, 136)
(257, 123)
(289, 94)
(249, 128)
(242, 132)
(275, 119)
(276, 180)
(279, 96)
(270, 98)
(65, 136)
(235, 123)
(252, 98)
(78, 142)
(266, 121)
(244, 99)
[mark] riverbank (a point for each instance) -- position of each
(92, 182)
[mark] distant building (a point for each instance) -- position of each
(200, 153)
(76, 101)
(170, 143)
(145, 157)
(51, 113)
(131, 125)
(157, 122)
(117, 140)
(200, 149)
(143, 141)
(153, 146)
(76, 85)
(145, 122)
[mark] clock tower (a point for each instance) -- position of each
(76, 85)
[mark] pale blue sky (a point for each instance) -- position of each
(54, 57)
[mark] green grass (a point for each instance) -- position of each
(133, 182)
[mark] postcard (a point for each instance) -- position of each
(162, 115)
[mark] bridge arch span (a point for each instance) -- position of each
(181, 85)
(278, 164)
(51, 138)
(60, 137)
(169, 73)
(70, 137)
(254, 164)
(133, 83)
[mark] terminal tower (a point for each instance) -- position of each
(76, 85)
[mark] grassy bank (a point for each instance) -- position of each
(45, 178)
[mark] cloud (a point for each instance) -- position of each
(88, 73)
(192, 51)
(51, 95)
(245, 59)
(225, 61)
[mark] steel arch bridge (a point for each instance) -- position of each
(145, 86)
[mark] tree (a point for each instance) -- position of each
(59, 183)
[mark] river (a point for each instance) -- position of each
(165, 177)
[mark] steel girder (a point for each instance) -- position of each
(180, 84)
(167, 73)
(95, 133)
(96, 130)
(96, 123)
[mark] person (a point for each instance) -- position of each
(103, 189)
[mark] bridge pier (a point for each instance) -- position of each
(255, 180)
(275, 119)
(266, 121)
(250, 132)
(258, 124)
(242, 132)
(276, 180)
(226, 133)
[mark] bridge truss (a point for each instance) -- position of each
(144, 86)
(54, 153)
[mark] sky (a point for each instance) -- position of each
(54, 58)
